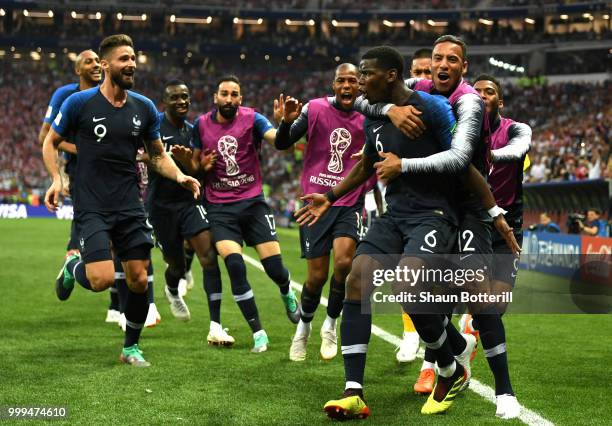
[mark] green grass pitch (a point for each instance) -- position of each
(55, 353)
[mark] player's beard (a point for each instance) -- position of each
(228, 111)
(117, 78)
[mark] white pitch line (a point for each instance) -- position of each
(527, 416)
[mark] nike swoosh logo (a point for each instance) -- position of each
(95, 120)
(465, 256)
(376, 129)
(167, 137)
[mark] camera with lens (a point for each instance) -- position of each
(573, 222)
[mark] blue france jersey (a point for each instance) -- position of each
(416, 195)
(57, 99)
(107, 139)
(163, 192)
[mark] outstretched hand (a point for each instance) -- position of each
(315, 207)
(181, 154)
(507, 232)
(208, 159)
(53, 196)
(279, 108)
(358, 155)
(287, 109)
(189, 183)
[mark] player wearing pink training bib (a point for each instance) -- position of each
(234, 200)
(335, 133)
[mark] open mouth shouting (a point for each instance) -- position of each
(443, 77)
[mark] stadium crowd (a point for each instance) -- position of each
(276, 33)
(572, 123)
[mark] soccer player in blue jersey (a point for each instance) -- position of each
(177, 217)
(420, 221)
(470, 144)
(87, 67)
(235, 202)
(108, 124)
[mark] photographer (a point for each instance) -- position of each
(546, 224)
(595, 226)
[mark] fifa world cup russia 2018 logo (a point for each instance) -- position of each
(339, 141)
(227, 147)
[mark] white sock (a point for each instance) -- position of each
(448, 370)
(329, 323)
(261, 332)
(215, 326)
(428, 365)
(303, 328)
(353, 385)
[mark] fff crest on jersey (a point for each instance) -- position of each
(136, 122)
(339, 141)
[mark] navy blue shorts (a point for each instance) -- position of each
(341, 221)
(250, 221)
(409, 237)
(174, 225)
(128, 231)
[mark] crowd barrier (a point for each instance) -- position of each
(570, 256)
(555, 254)
(26, 211)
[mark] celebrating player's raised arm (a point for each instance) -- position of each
(293, 123)
(161, 162)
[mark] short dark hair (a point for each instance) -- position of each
(229, 77)
(453, 39)
(595, 210)
(174, 82)
(488, 77)
(111, 42)
(387, 58)
(424, 52)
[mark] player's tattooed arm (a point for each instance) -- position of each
(318, 204)
(161, 162)
(475, 183)
(52, 197)
(519, 143)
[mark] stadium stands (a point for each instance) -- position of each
(571, 122)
